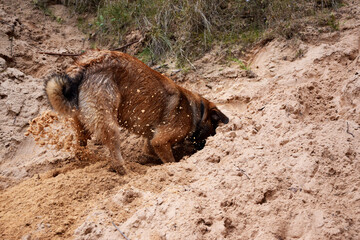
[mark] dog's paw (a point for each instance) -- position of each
(148, 160)
(119, 169)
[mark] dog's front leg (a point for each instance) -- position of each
(162, 148)
(149, 150)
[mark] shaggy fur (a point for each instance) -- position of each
(103, 90)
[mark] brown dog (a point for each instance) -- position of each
(105, 89)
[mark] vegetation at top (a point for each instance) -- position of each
(188, 28)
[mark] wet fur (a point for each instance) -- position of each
(103, 90)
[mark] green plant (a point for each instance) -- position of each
(146, 55)
(82, 6)
(81, 23)
(328, 19)
(333, 22)
(299, 53)
(188, 28)
(46, 10)
(59, 19)
(242, 65)
(251, 36)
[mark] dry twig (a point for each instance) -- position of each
(243, 172)
(192, 65)
(78, 54)
(348, 131)
(11, 38)
(119, 230)
(126, 45)
(61, 54)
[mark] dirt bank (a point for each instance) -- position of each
(285, 167)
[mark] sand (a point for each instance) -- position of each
(285, 167)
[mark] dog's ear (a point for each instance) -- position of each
(217, 115)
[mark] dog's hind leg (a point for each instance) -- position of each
(82, 134)
(99, 101)
(108, 132)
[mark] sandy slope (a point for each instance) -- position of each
(285, 167)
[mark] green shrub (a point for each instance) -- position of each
(188, 28)
(82, 6)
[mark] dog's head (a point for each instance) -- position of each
(210, 118)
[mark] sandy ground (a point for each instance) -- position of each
(285, 167)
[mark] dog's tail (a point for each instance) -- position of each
(63, 92)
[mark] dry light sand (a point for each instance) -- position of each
(285, 167)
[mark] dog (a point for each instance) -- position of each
(103, 90)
